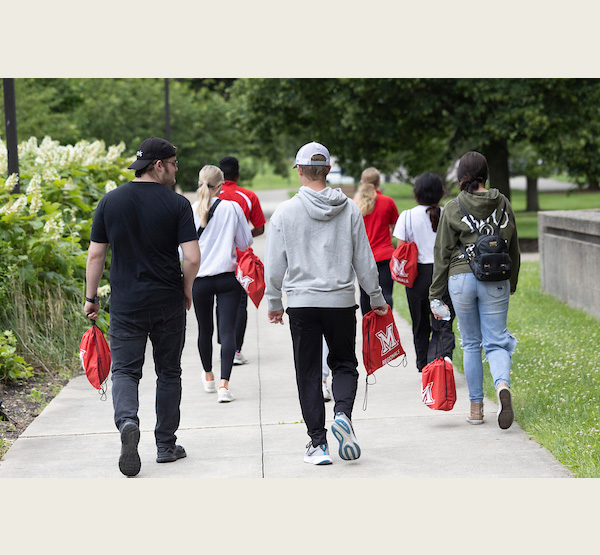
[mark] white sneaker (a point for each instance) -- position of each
(317, 455)
(224, 395)
(239, 358)
(344, 432)
(326, 394)
(209, 386)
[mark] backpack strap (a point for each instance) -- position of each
(210, 215)
(470, 219)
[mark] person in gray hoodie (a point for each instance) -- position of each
(316, 248)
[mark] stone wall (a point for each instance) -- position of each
(569, 245)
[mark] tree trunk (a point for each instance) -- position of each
(533, 204)
(593, 184)
(496, 153)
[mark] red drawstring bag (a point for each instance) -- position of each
(438, 389)
(250, 272)
(381, 340)
(95, 358)
(403, 264)
(381, 343)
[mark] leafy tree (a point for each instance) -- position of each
(130, 110)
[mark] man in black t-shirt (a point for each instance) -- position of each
(144, 221)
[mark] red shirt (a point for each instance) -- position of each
(246, 199)
(377, 224)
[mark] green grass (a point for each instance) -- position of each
(555, 373)
(266, 179)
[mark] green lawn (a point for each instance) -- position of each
(555, 372)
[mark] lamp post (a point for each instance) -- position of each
(10, 119)
(167, 113)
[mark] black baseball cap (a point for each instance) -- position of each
(152, 149)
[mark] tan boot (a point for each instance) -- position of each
(505, 410)
(476, 414)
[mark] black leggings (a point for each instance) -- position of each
(386, 283)
(432, 338)
(228, 292)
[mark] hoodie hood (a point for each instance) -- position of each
(480, 205)
(325, 204)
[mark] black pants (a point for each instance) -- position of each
(128, 336)
(386, 283)
(432, 338)
(241, 321)
(338, 325)
(228, 291)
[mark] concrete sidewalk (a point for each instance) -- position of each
(261, 435)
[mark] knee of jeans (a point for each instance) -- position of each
(471, 344)
(126, 373)
(169, 374)
(507, 342)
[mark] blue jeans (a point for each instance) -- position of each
(481, 308)
(128, 336)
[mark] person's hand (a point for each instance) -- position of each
(188, 299)
(91, 310)
(437, 316)
(275, 316)
(380, 310)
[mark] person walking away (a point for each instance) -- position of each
(380, 214)
(481, 306)
(316, 247)
(144, 221)
(218, 237)
(432, 338)
(248, 200)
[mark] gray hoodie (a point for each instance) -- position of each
(316, 247)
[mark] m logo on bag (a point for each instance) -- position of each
(388, 340)
(426, 395)
(399, 267)
(245, 281)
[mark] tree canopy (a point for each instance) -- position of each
(403, 126)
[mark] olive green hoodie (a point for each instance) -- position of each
(486, 209)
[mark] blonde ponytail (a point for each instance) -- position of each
(367, 196)
(209, 178)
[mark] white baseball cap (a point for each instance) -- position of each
(303, 158)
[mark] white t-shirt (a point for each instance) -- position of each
(415, 225)
(226, 231)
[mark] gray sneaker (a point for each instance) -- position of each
(317, 455)
(505, 410)
(344, 432)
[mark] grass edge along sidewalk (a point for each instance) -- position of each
(555, 372)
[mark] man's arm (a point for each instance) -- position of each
(93, 274)
(275, 268)
(189, 267)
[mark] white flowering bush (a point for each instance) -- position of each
(44, 230)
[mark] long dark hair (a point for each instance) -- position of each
(428, 191)
(472, 171)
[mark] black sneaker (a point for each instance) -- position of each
(170, 454)
(129, 461)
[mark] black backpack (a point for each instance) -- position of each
(491, 261)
